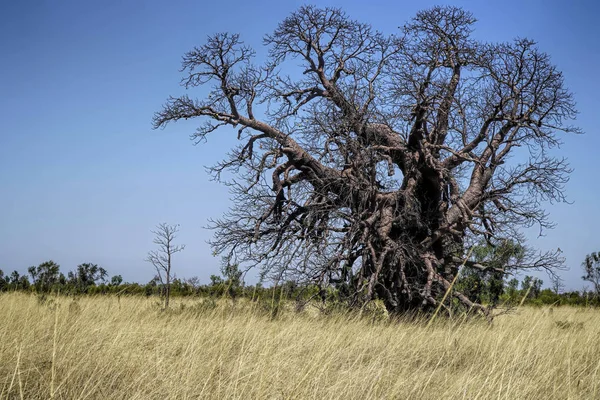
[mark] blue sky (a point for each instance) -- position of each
(84, 178)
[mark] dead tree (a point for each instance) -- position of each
(161, 259)
(372, 162)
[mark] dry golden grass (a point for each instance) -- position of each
(106, 348)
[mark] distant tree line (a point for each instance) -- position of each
(90, 279)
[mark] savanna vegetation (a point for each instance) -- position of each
(380, 190)
(128, 348)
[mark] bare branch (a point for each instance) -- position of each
(373, 164)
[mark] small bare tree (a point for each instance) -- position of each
(161, 259)
(558, 285)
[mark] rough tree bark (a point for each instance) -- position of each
(376, 164)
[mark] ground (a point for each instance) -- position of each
(126, 348)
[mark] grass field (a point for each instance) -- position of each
(110, 348)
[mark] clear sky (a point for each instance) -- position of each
(84, 178)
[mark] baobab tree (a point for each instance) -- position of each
(373, 162)
(161, 259)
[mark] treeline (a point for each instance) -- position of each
(90, 279)
(512, 292)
